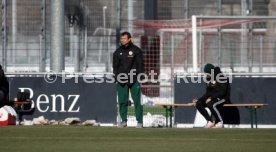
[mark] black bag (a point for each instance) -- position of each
(24, 97)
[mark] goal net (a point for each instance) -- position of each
(239, 44)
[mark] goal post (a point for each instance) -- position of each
(240, 44)
(215, 23)
(194, 41)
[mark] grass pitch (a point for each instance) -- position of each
(105, 139)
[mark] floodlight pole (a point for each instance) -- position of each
(194, 43)
(57, 35)
(118, 22)
(219, 34)
(14, 30)
(43, 55)
(130, 15)
(4, 35)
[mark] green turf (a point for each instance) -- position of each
(102, 139)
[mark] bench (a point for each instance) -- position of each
(252, 108)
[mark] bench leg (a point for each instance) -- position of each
(251, 113)
(171, 112)
(20, 117)
(166, 113)
(255, 116)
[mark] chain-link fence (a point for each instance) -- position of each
(90, 30)
(91, 37)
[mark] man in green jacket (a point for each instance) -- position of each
(128, 66)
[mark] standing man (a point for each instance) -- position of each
(217, 93)
(128, 66)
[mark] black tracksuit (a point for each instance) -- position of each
(4, 89)
(218, 92)
(127, 58)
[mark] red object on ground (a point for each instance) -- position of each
(6, 117)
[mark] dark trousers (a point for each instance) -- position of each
(213, 106)
(123, 97)
(3, 101)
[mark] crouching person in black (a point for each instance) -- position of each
(4, 88)
(217, 93)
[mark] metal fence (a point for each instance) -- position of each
(90, 29)
(91, 36)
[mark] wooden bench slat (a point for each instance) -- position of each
(177, 105)
(245, 105)
(225, 105)
(22, 102)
